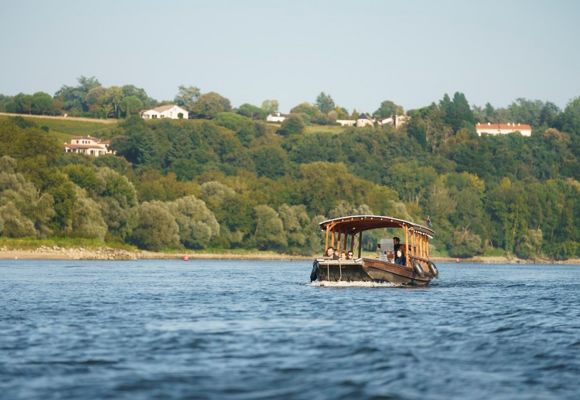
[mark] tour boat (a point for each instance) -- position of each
(403, 263)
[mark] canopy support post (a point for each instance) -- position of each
(406, 242)
(359, 244)
(352, 243)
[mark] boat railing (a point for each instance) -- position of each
(329, 261)
(419, 258)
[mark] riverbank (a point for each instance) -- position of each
(108, 253)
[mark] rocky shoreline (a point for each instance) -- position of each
(108, 253)
(68, 253)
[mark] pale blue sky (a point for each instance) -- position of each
(360, 52)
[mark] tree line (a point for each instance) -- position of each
(232, 181)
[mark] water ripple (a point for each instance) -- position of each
(257, 330)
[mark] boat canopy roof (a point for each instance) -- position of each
(357, 223)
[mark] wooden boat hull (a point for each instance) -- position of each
(369, 270)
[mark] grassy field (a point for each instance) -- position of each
(65, 128)
(334, 129)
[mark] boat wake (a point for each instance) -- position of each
(361, 284)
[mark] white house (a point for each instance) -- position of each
(276, 117)
(170, 111)
(88, 145)
(396, 121)
(503, 129)
(346, 122)
(364, 120)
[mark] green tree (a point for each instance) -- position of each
(270, 161)
(42, 103)
(156, 228)
(303, 236)
(74, 98)
(457, 112)
(138, 144)
(234, 213)
(22, 103)
(571, 117)
(118, 202)
(270, 106)
(292, 125)
(530, 244)
(506, 205)
(112, 101)
(139, 93)
(131, 105)
(308, 112)
(208, 105)
(325, 103)
(269, 232)
(526, 111)
(387, 109)
(465, 244)
(244, 128)
(187, 96)
(14, 224)
(251, 111)
(32, 205)
(197, 224)
(87, 221)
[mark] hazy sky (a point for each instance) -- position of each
(360, 52)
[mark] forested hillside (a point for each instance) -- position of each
(230, 180)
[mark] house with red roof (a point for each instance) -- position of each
(88, 145)
(503, 129)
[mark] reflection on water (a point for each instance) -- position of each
(229, 329)
(345, 284)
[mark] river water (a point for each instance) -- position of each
(259, 330)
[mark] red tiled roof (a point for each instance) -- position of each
(88, 137)
(514, 127)
(84, 146)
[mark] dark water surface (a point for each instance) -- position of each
(257, 330)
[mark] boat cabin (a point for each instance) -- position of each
(404, 262)
(342, 233)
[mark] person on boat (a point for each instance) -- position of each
(349, 255)
(396, 244)
(400, 258)
(329, 253)
(343, 255)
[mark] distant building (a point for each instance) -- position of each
(364, 120)
(89, 146)
(170, 111)
(346, 122)
(503, 129)
(276, 117)
(396, 121)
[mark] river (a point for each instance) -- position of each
(259, 330)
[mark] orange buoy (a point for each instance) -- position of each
(185, 258)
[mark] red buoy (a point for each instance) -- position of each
(185, 258)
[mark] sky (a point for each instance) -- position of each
(360, 52)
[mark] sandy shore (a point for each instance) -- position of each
(107, 253)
